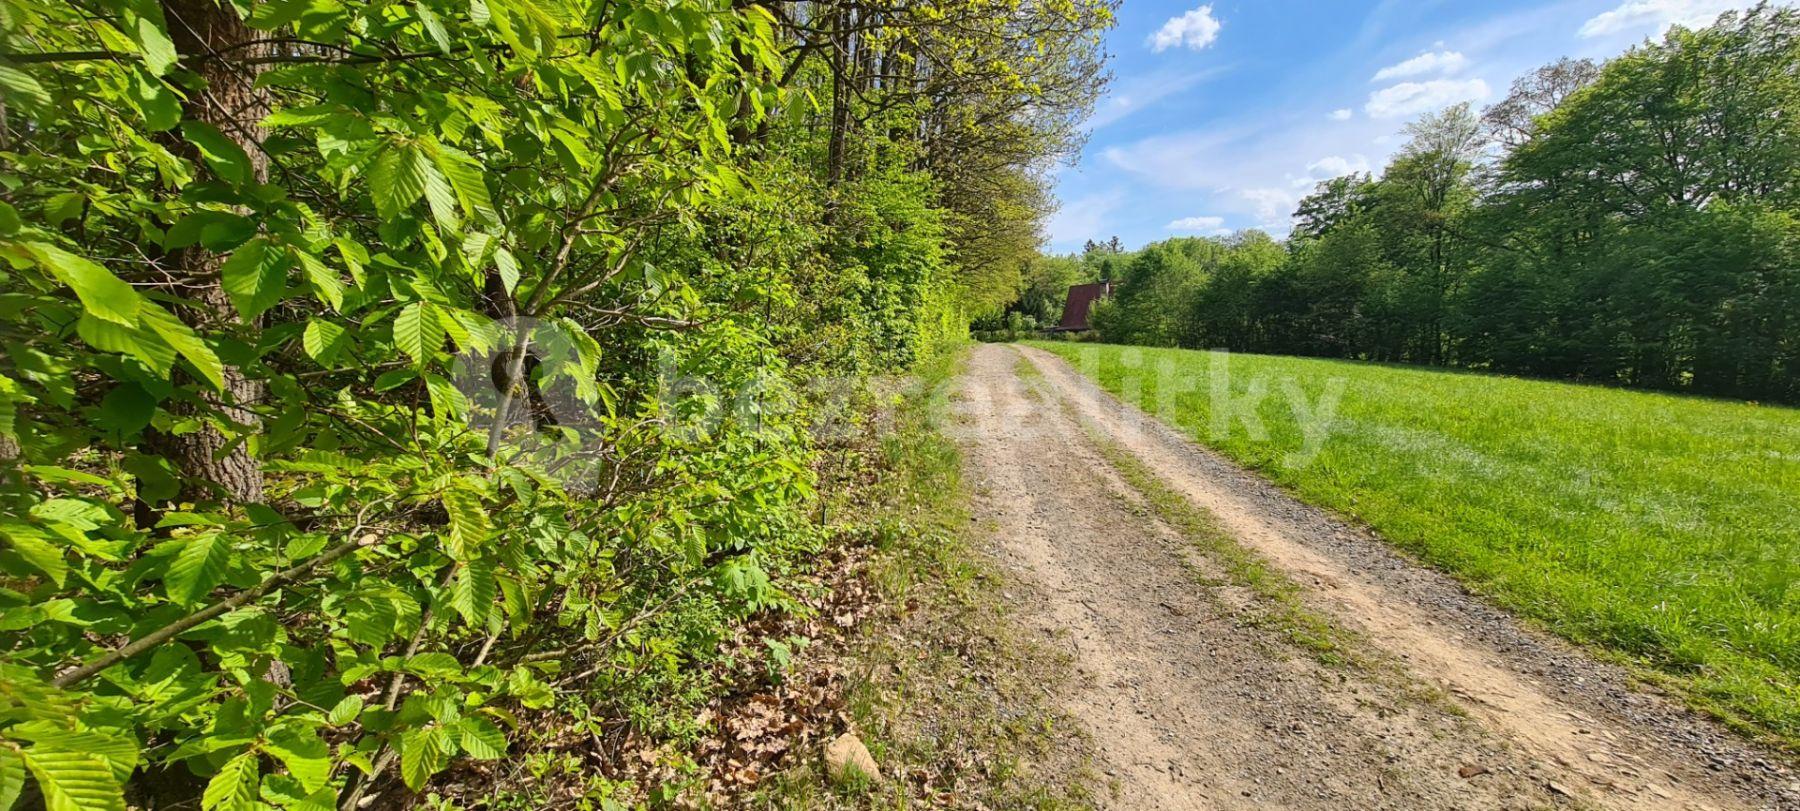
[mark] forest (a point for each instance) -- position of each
(1629, 223)
(388, 387)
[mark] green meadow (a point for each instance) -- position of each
(1660, 528)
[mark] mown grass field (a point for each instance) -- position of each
(1659, 527)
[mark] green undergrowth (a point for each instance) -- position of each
(1660, 530)
(953, 701)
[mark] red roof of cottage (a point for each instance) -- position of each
(1081, 304)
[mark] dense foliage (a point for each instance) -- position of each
(379, 376)
(1631, 223)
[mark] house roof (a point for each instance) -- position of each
(1080, 304)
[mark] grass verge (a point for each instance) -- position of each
(1663, 529)
(957, 705)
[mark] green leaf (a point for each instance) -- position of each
(307, 758)
(469, 525)
(418, 332)
(9, 219)
(235, 787)
(438, 193)
(159, 52)
(326, 284)
(396, 180)
(324, 341)
(34, 546)
(346, 711)
(423, 753)
(107, 336)
(508, 266)
(23, 90)
(75, 781)
(102, 294)
(447, 401)
(185, 341)
(370, 619)
(481, 739)
(474, 592)
(470, 183)
(12, 776)
(434, 27)
(254, 277)
(198, 568)
(126, 409)
(436, 664)
(158, 103)
(226, 158)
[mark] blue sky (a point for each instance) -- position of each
(1221, 115)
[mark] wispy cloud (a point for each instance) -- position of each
(1656, 16)
(1430, 63)
(1203, 225)
(1084, 218)
(1274, 208)
(1342, 114)
(1142, 92)
(1413, 98)
(1194, 30)
(1329, 167)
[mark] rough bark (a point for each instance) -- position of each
(219, 49)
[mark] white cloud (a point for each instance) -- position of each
(1143, 91)
(1194, 30)
(1084, 218)
(1425, 64)
(1329, 167)
(1274, 207)
(1342, 114)
(1204, 225)
(1413, 98)
(1657, 16)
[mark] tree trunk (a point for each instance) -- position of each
(221, 51)
(840, 94)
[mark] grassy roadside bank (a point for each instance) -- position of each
(1663, 529)
(955, 703)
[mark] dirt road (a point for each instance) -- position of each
(1195, 697)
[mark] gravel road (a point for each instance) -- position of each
(1194, 702)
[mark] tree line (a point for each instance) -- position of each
(1631, 223)
(387, 384)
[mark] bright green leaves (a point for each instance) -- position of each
(159, 104)
(423, 753)
(469, 527)
(35, 548)
(76, 768)
(254, 276)
(474, 590)
(102, 294)
(143, 23)
(418, 331)
(20, 88)
(324, 341)
(397, 179)
(447, 178)
(235, 787)
(116, 318)
(184, 340)
(470, 182)
(227, 159)
(12, 776)
(74, 780)
(198, 567)
(307, 758)
(327, 286)
(481, 739)
(345, 712)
